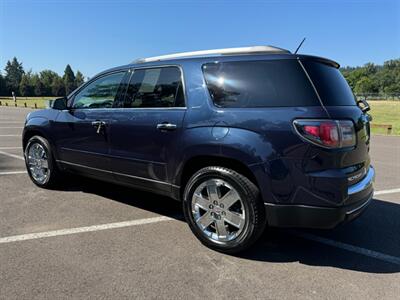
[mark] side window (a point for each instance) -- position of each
(99, 93)
(155, 87)
(270, 83)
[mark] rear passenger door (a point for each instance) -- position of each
(146, 128)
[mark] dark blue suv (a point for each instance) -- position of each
(244, 137)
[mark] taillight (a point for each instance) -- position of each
(327, 133)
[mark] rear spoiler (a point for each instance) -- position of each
(323, 60)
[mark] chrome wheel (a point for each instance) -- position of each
(37, 161)
(218, 210)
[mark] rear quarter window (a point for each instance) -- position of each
(274, 83)
(332, 87)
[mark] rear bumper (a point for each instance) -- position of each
(303, 216)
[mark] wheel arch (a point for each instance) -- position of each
(196, 163)
(30, 132)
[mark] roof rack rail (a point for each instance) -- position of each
(225, 51)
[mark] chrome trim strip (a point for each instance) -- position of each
(116, 173)
(350, 212)
(111, 156)
(79, 165)
(83, 151)
(363, 184)
(141, 178)
(133, 108)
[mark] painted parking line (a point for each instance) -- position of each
(12, 173)
(40, 235)
(11, 127)
(384, 192)
(94, 228)
(359, 250)
(12, 155)
(5, 135)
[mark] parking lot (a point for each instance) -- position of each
(93, 239)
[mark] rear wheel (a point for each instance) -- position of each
(223, 209)
(40, 163)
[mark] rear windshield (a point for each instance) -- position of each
(270, 83)
(330, 84)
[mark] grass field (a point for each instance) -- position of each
(383, 112)
(41, 102)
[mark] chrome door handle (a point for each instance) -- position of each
(99, 125)
(166, 126)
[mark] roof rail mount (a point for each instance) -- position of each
(216, 52)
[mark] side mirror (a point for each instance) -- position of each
(60, 103)
(363, 105)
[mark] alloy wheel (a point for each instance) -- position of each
(218, 210)
(38, 164)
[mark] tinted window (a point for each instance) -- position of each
(259, 84)
(155, 87)
(330, 84)
(99, 93)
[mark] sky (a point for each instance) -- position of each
(92, 36)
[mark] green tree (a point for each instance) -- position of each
(79, 79)
(58, 87)
(365, 86)
(25, 85)
(393, 64)
(38, 88)
(386, 79)
(47, 77)
(69, 80)
(14, 72)
(393, 88)
(354, 75)
(370, 68)
(374, 79)
(2, 85)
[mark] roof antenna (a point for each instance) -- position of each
(295, 52)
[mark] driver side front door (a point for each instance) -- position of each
(82, 131)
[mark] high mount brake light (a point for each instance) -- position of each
(327, 133)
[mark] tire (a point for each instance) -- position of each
(38, 151)
(230, 225)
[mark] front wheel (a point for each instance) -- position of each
(223, 209)
(40, 163)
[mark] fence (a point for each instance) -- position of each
(26, 102)
(390, 97)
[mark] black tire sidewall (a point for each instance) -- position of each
(249, 199)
